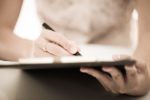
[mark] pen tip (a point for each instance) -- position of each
(77, 54)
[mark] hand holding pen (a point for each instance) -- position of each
(51, 43)
(49, 28)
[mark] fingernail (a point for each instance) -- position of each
(73, 50)
(106, 69)
(79, 49)
(116, 57)
(83, 70)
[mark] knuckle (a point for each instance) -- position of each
(131, 71)
(132, 74)
(116, 76)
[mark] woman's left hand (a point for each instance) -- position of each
(136, 81)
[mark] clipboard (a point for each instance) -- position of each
(65, 62)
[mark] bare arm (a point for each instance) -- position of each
(11, 46)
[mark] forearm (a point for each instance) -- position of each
(13, 47)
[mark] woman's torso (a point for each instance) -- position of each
(89, 21)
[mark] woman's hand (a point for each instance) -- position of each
(136, 81)
(52, 43)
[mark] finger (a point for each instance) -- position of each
(40, 43)
(56, 50)
(141, 67)
(60, 40)
(117, 78)
(51, 48)
(102, 78)
(131, 76)
(120, 57)
(39, 53)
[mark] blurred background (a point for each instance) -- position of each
(28, 25)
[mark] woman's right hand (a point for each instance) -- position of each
(51, 43)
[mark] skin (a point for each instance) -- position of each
(136, 81)
(13, 47)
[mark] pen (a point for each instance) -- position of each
(49, 28)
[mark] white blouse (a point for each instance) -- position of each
(89, 21)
